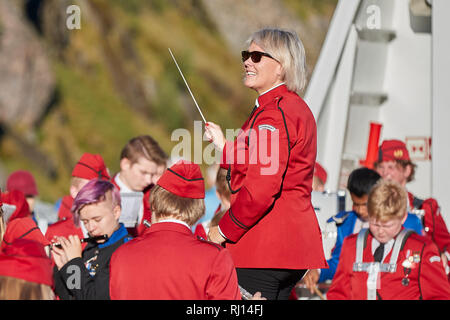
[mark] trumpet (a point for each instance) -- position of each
(89, 239)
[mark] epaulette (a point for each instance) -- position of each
(339, 218)
(219, 247)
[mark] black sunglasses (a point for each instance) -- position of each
(255, 56)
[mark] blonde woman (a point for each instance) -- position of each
(271, 228)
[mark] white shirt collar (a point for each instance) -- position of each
(123, 187)
(387, 246)
(257, 103)
(175, 221)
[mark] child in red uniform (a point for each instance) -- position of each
(395, 164)
(142, 162)
(224, 195)
(90, 166)
(168, 261)
(25, 272)
(386, 261)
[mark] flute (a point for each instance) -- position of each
(89, 239)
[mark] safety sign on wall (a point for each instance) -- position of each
(419, 148)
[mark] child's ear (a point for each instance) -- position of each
(73, 192)
(408, 170)
(117, 211)
(125, 164)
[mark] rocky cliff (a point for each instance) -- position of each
(67, 91)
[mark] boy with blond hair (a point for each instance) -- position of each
(387, 261)
(168, 261)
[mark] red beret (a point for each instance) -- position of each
(23, 228)
(392, 150)
(17, 198)
(26, 259)
(23, 181)
(184, 179)
(320, 172)
(91, 166)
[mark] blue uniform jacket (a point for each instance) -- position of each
(345, 223)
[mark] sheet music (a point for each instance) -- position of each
(132, 203)
(8, 210)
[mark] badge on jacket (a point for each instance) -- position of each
(267, 127)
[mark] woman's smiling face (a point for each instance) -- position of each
(263, 75)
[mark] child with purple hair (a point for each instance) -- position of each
(84, 274)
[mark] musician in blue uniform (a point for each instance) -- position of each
(360, 182)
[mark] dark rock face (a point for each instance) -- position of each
(27, 82)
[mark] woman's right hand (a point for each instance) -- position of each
(214, 134)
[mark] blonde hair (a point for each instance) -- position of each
(166, 204)
(19, 289)
(387, 201)
(287, 48)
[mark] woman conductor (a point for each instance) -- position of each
(271, 228)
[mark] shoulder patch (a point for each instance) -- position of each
(267, 127)
(219, 247)
(339, 219)
(435, 259)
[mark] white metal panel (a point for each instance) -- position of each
(333, 119)
(441, 109)
(330, 54)
(407, 112)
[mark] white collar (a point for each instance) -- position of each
(387, 246)
(175, 221)
(123, 187)
(257, 103)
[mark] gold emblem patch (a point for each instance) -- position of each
(398, 153)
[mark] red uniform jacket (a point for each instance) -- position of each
(141, 227)
(271, 219)
(427, 279)
(433, 222)
(168, 262)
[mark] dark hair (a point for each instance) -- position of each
(362, 180)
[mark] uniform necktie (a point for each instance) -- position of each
(379, 252)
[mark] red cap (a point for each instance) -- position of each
(184, 179)
(26, 259)
(320, 172)
(91, 166)
(17, 199)
(23, 228)
(392, 150)
(23, 181)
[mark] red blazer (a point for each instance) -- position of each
(168, 262)
(271, 220)
(433, 223)
(141, 227)
(427, 278)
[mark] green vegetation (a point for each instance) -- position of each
(116, 80)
